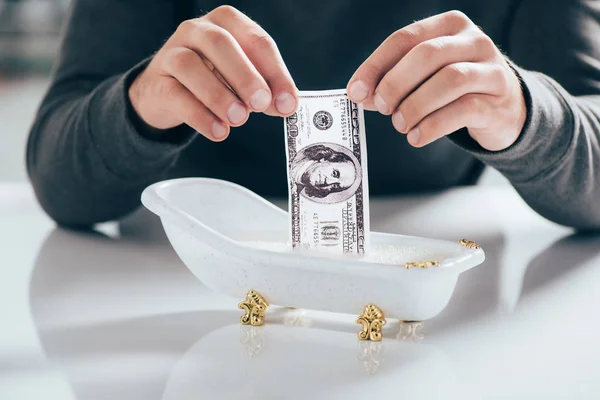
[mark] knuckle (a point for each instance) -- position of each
(180, 60)
(500, 77)
(430, 48)
(430, 126)
(218, 99)
(474, 103)
(371, 71)
(216, 36)
(457, 19)
(458, 74)
(260, 40)
(410, 111)
(484, 44)
(197, 117)
(225, 11)
(186, 26)
(279, 81)
(456, 15)
(387, 88)
(169, 89)
(247, 85)
(407, 37)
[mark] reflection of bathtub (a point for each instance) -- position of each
(292, 362)
(211, 222)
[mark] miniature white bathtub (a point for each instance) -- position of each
(233, 240)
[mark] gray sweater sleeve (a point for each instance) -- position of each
(555, 163)
(85, 118)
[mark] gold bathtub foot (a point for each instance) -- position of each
(372, 320)
(255, 307)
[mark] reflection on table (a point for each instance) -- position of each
(121, 317)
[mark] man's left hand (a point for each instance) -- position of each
(439, 75)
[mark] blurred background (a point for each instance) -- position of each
(29, 36)
(29, 39)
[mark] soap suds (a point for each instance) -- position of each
(378, 254)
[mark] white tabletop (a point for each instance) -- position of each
(114, 314)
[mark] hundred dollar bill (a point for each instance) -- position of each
(327, 174)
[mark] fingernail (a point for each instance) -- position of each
(358, 91)
(260, 99)
(398, 121)
(413, 136)
(219, 131)
(285, 103)
(381, 105)
(236, 113)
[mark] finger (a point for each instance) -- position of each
(223, 51)
(192, 112)
(446, 86)
(262, 51)
(188, 68)
(470, 111)
(366, 78)
(216, 72)
(426, 59)
(369, 105)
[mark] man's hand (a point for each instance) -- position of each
(211, 73)
(439, 75)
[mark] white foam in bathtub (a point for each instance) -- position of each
(233, 240)
(378, 254)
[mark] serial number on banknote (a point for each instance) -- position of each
(327, 174)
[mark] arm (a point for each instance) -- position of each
(112, 124)
(555, 164)
(443, 76)
(86, 160)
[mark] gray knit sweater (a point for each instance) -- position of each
(89, 161)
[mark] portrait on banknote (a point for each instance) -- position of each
(326, 173)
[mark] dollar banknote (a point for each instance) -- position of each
(327, 174)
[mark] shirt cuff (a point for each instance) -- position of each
(120, 141)
(545, 138)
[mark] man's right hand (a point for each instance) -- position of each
(211, 73)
